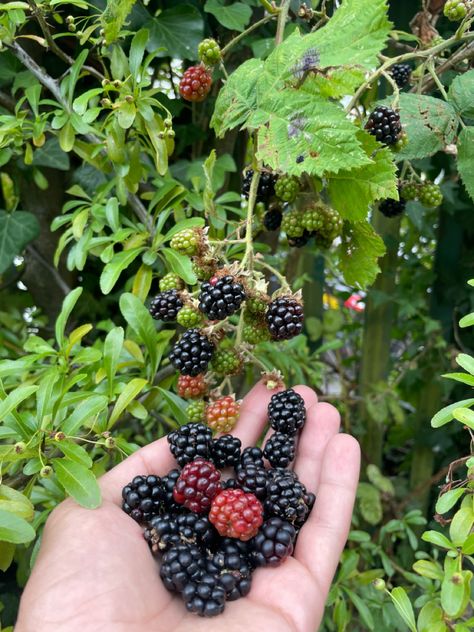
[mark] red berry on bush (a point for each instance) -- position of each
(222, 414)
(236, 514)
(192, 387)
(197, 485)
(195, 84)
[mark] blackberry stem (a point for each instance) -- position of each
(282, 16)
(396, 90)
(251, 28)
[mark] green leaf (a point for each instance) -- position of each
(114, 18)
(78, 481)
(370, 503)
(112, 271)
(461, 93)
(17, 503)
(75, 452)
(465, 378)
(15, 529)
(84, 414)
(66, 309)
(7, 552)
(137, 50)
(15, 398)
(467, 321)
(178, 30)
(449, 499)
(44, 395)
(17, 229)
(438, 539)
(383, 483)
(234, 16)
(180, 264)
(112, 348)
(461, 524)
(352, 191)
(466, 362)
(431, 618)
(129, 393)
(403, 606)
(468, 545)
(428, 569)
(359, 251)
(51, 155)
(452, 594)
(176, 404)
(362, 609)
(465, 416)
(139, 319)
(445, 415)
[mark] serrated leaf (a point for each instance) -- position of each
(78, 481)
(113, 270)
(129, 393)
(15, 529)
(17, 229)
(234, 16)
(461, 93)
(445, 415)
(359, 252)
(114, 18)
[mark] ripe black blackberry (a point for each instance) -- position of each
(143, 497)
(166, 305)
(232, 567)
(273, 543)
(225, 451)
(284, 318)
(171, 529)
(182, 565)
(221, 297)
(230, 483)
(280, 449)
(189, 442)
(252, 479)
(192, 353)
(206, 597)
(167, 485)
(392, 208)
(401, 74)
(288, 498)
(299, 242)
(253, 455)
(384, 123)
(287, 412)
(266, 185)
(272, 219)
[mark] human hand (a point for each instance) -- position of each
(94, 570)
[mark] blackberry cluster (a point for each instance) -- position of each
(391, 207)
(166, 305)
(284, 318)
(280, 450)
(287, 412)
(272, 219)
(171, 529)
(225, 451)
(266, 185)
(253, 479)
(430, 195)
(192, 353)
(190, 442)
(288, 498)
(221, 297)
(273, 543)
(143, 497)
(401, 74)
(384, 123)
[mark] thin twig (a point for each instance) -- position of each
(31, 250)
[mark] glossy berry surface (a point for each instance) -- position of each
(287, 412)
(384, 123)
(209, 52)
(198, 483)
(272, 219)
(231, 565)
(221, 298)
(288, 498)
(189, 442)
(186, 528)
(222, 415)
(192, 353)
(190, 387)
(401, 74)
(182, 565)
(279, 449)
(170, 281)
(252, 478)
(225, 451)
(166, 305)
(236, 514)
(252, 454)
(195, 84)
(142, 498)
(284, 318)
(273, 543)
(265, 188)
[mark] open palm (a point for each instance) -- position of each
(95, 572)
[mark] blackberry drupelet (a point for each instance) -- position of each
(205, 597)
(287, 412)
(401, 74)
(171, 529)
(225, 451)
(392, 208)
(252, 455)
(197, 485)
(272, 219)
(266, 185)
(273, 543)
(231, 565)
(189, 442)
(192, 353)
(384, 123)
(280, 449)
(221, 298)
(253, 479)
(284, 318)
(195, 84)
(182, 565)
(299, 242)
(167, 485)
(288, 498)
(143, 497)
(166, 305)
(226, 361)
(236, 514)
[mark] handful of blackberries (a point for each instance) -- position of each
(212, 528)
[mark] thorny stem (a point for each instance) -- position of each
(247, 260)
(283, 282)
(396, 91)
(240, 36)
(284, 8)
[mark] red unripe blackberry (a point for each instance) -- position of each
(279, 449)
(192, 353)
(195, 84)
(401, 74)
(222, 298)
(284, 318)
(182, 565)
(166, 305)
(198, 483)
(192, 387)
(236, 514)
(189, 442)
(225, 451)
(384, 123)
(287, 412)
(186, 528)
(222, 415)
(143, 497)
(273, 543)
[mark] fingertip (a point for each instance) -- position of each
(307, 393)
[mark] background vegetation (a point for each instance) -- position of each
(101, 163)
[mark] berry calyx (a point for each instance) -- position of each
(209, 52)
(430, 195)
(236, 514)
(226, 362)
(384, 123)
(195, 410)
(284, 318)
(198, 483)
(166, 305)
(195, 84)
(192, 387)
(221, 298)
(187, 241)
(170, 281)
(222, 415)
(287, 188)
(189, 317)
(192, 353)
(401, 74)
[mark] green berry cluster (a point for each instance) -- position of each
(255, 332)
(401, 143)
(226, 362)
(186, 242)
(292, 223)
(209, 52)
(409, 191)
(430, 195)
(189, 317)
(455, 10)
(256, 304)
(287, 188)
(323, 222)
(313, 218)
(195, 410)
(170, 281)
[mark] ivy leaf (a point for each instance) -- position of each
(466, 159)
(51, 155)
(78, 481)
(461, 93)
(352, 191)
(17, 229)
(358, 252)
(178, 30)
(234, 16)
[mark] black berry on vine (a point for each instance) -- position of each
(384, 123)
(401, 74)
(266, 185)
(272, 219)
(221, 297)
(166, 305)
(192, 353)
(391, 207)
(284, 318)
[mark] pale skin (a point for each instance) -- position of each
(94, 570)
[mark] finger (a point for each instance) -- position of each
(323, 537)
(322, 423)
(154, 458)
(253, 414)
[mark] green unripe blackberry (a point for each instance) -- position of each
(409, 191)
(292, 223)
(256, 304)
(287, 188)
(226, 362)
(186, 242)
(195, 410)
(189, 317)
(401, 143)
(313, 218)
(333, 223)
(253, 333)
(455, 10)
(209, 52)
(170, 281)
(204, 269)
(430, 195)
